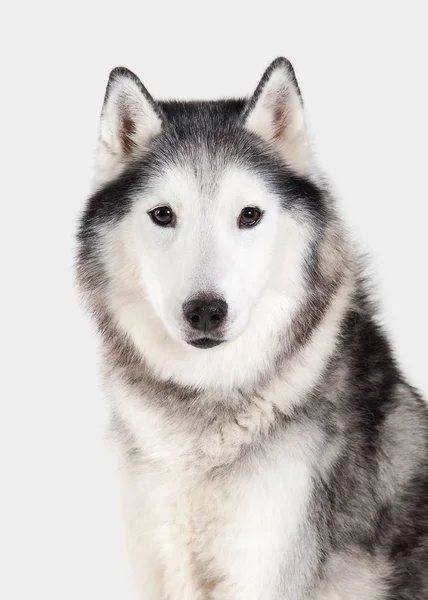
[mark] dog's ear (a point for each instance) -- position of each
(275, 113)
(130, 119)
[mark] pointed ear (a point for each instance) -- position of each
(130, 119)
(275, 113)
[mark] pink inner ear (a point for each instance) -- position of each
(127, 130)
(276, 102)
(279, 115)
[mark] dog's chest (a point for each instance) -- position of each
(239, 534)
(220, 526)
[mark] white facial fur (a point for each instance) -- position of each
(154, 270)
(206, 253)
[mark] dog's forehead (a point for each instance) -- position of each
(207, 184)
(208, 157)
(205, 136)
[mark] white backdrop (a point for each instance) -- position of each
(363, 74)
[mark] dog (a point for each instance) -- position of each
(269, 446)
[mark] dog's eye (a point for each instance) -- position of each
(163, 216)
(249, 217)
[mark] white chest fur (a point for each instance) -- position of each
(196, 533)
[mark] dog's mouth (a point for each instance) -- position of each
(205, 343)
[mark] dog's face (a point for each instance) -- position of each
(203, 249)
(203, 210)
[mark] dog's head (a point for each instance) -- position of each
(204, 220)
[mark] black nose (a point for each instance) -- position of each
(205, 314)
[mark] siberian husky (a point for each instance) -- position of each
(270, 447)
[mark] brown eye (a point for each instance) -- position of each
(249, 217)
(162, 216)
